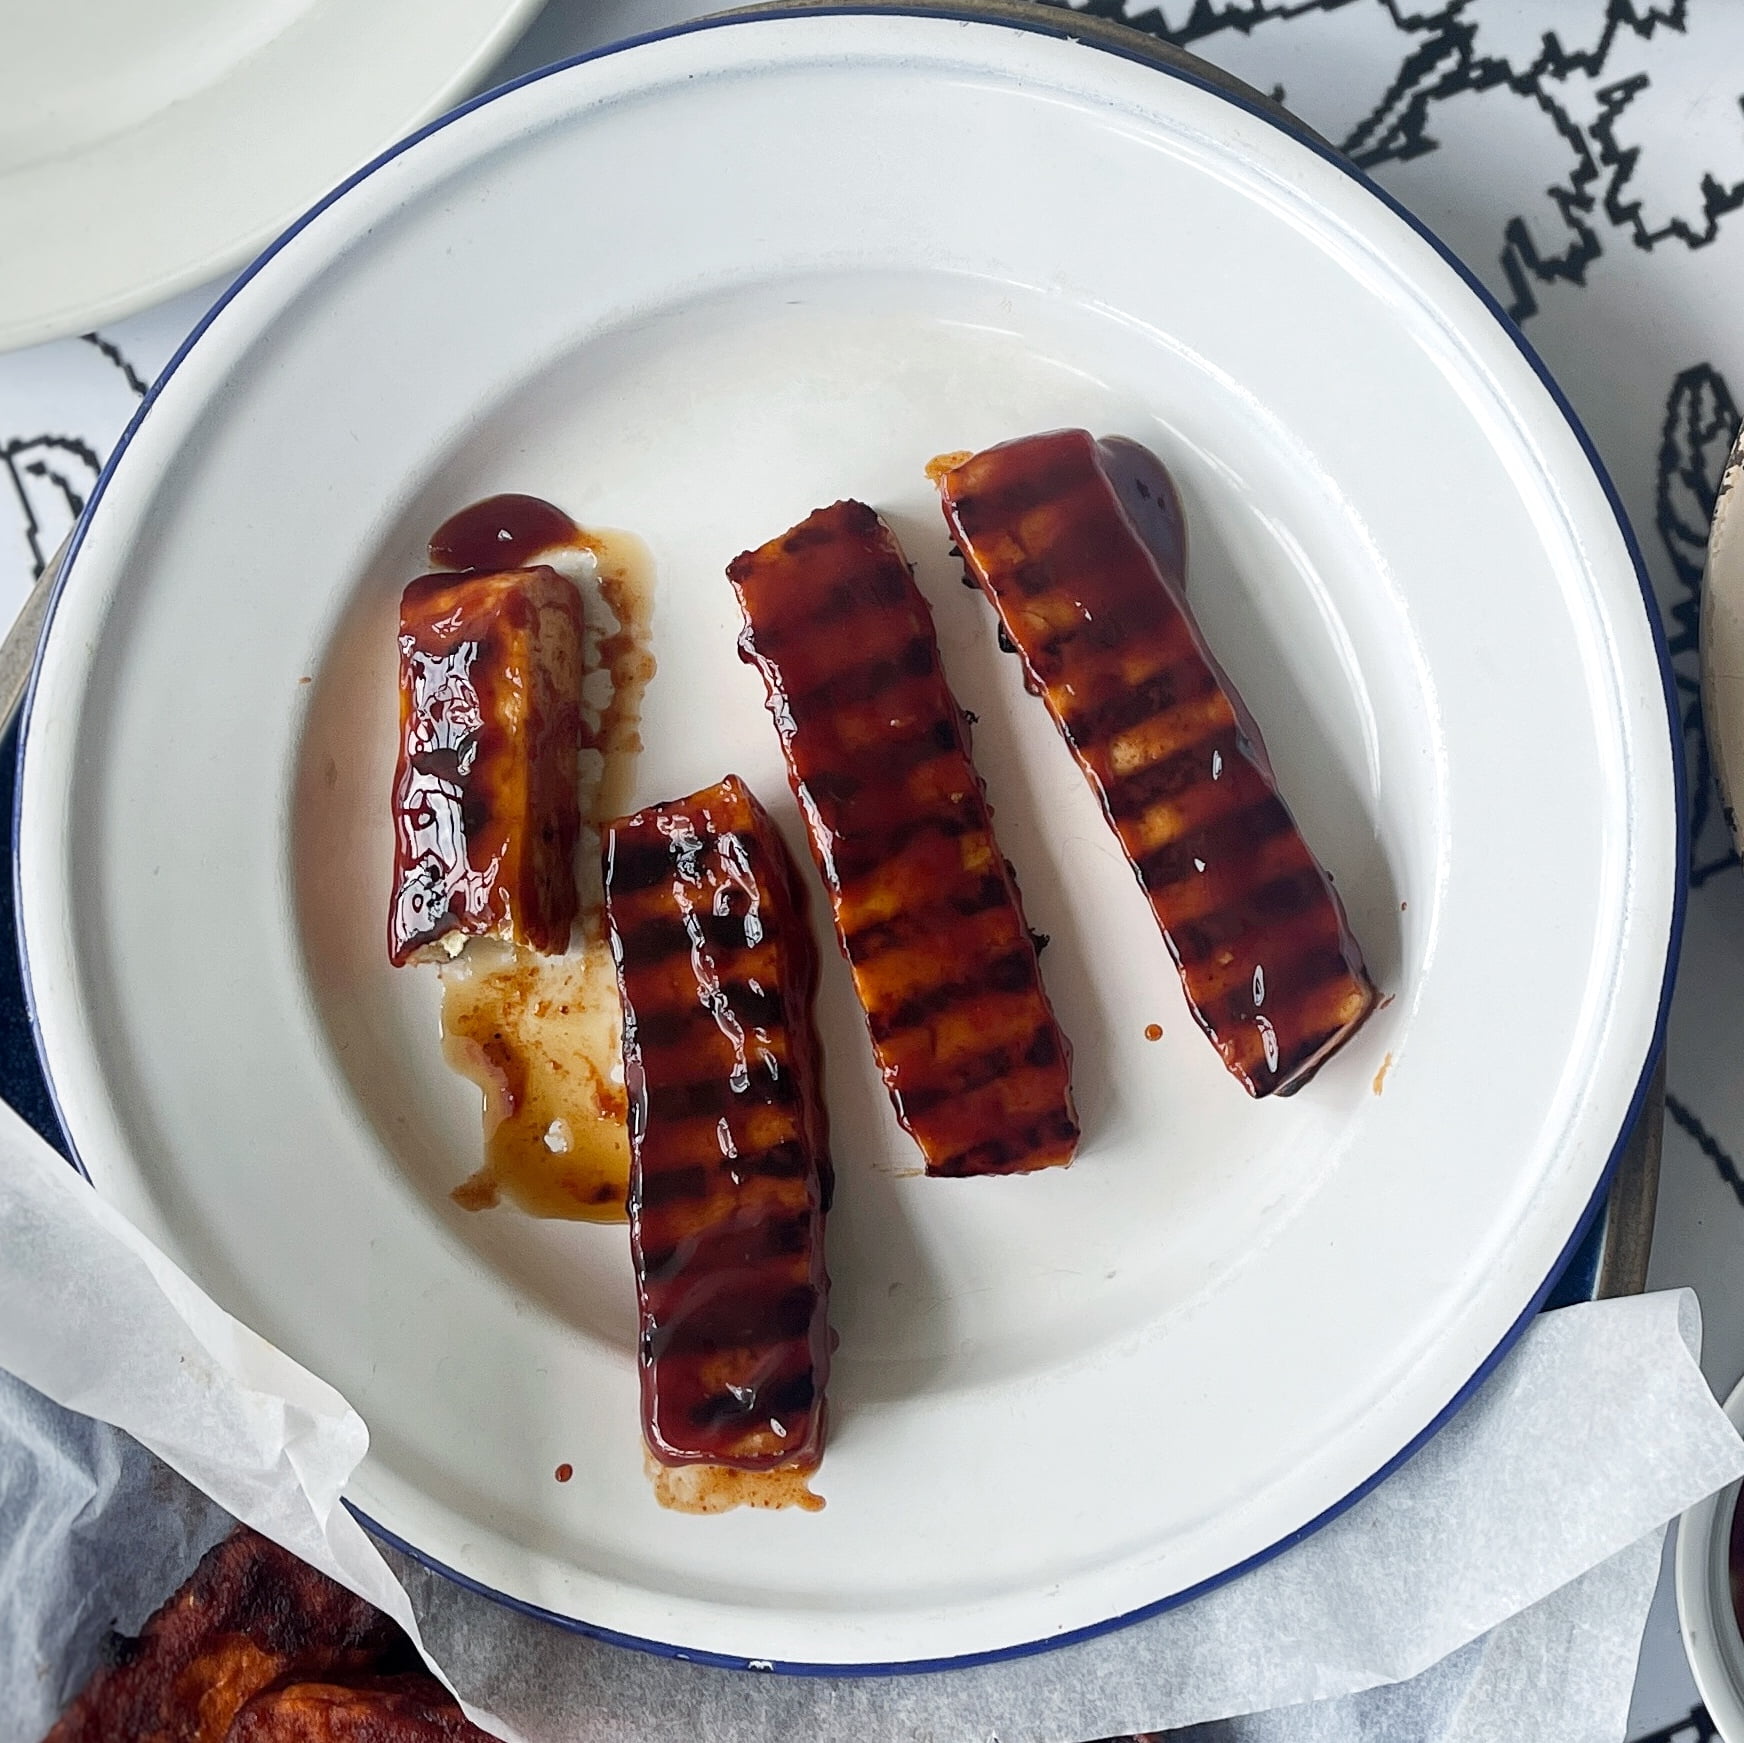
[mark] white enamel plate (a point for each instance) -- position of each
(695, 289)
(145, 148)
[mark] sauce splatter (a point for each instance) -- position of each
(1381, 1075)
(541, 1035)
(1153, 1031)
(564, 1472)
(720, 1488)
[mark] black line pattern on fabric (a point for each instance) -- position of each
(1707, 1143)
(1442, 57)
(1701, 420)
(1717, 200)
(1697, 1727)
(1522, 263)
(114, 353)
(51, 478)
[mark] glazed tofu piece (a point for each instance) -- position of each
(485, 808)
(925, 904)
(730, 1170)
(1081, 547)
(411, 1708)
(250, 1616)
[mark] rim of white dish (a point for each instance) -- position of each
(1171, 63)
(1705, 1619)
(1722, 639)
(183, 247)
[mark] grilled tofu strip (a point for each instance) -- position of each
(925, 905)
(1081, 547)
(485, 807)
(730, 1171)
(249, 1615)
(409, 1708)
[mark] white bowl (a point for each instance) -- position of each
(1711, 1637)
(144, 149)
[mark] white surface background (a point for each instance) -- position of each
(1586, 158)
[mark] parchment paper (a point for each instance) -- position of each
(1523, 1540)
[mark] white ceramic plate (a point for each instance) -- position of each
(695, 289)
(147, 147)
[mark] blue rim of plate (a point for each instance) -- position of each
(1059, 24)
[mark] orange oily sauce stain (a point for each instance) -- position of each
(542, 1035)
(1153, 1031)
(1381, 1075)
(720, 1488)
(940, 464)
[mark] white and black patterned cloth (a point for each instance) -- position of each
(1586, 159)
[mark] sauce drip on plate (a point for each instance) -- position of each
(539, 1035)
(503, 532)
(720, 1488)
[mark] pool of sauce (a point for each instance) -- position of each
(503, 532)
(720, 1488)
(540, 1035)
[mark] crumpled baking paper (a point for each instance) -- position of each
(1494, 1587)
(93, 1315)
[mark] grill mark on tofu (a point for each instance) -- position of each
(678, 1025)
(656, 939)
(997, 1158)
(1194, 853)
(716, 1099)
(739, 1321)
(868, 678)
(910, 930)
(1131, 795)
